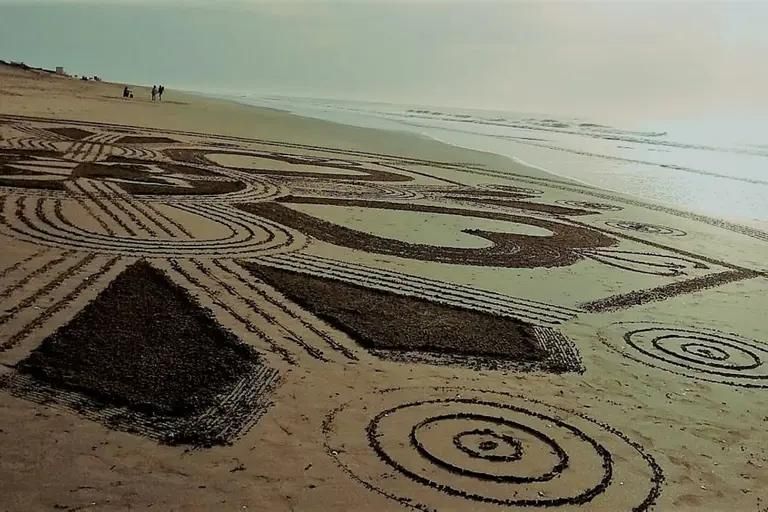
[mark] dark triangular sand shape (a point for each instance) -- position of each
(412, 329)
(145, 357)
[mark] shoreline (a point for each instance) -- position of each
(573, 157)
(404, 131)
(302, 127)
(750, 221)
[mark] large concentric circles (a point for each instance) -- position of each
(459, 449)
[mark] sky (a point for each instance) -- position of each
(643, 58)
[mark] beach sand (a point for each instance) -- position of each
(350, 319)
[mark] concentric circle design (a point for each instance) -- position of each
(704, 354)
(590, 205)
(43, 221)
(461, 449)
(642, 227)
(256, 189)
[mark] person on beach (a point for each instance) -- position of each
(154, 92)
(126, 92)
(160, 91)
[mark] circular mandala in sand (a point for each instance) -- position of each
(705, 354)
(590, 205)
(461, 449)
(642, 227)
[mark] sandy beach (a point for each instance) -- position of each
(211, 306)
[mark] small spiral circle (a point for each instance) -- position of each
(642, 227)
(590, 205)
(487, 444)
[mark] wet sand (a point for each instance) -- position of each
(619, 360)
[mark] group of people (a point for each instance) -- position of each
(157, 92)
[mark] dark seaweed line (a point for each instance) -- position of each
(282, 307)
(668, 291)
(103, 207)
(58, 306)
(46, 289)
(425, 289)
(408, 290)
(395, 276)
(274, 347)
(117, 201)
(137, 205)
(270, 319)
(18, 264)
(85, 206)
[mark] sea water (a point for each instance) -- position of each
(716, 166)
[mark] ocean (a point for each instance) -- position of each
(714, 166)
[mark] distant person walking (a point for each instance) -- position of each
(160, 91)
(154, 92)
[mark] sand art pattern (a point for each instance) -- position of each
(491, 449)
(699, 353)
(274, 257)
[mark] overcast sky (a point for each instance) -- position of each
(640, 58)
